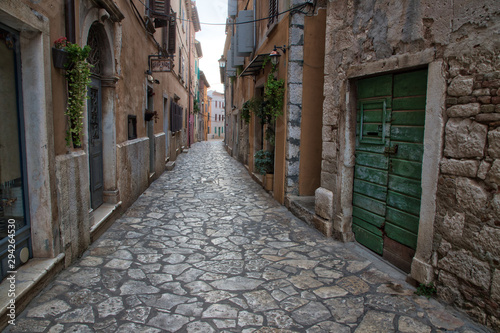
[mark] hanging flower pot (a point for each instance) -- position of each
(59, 58)
(149, 115)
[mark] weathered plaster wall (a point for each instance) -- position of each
(312, 103)
(459, 41)
(74, 202)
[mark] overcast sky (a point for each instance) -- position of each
(212, 38)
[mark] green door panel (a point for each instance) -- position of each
(414, 103)
(373, 148)
(375, 87)
(403, 202)
(367, 216)
(369, 189)
(370, 204)
(373, 104)
(368, 239)
(406, 186)
(402, 219)
(406, 169)
(408, 118)
(407, 133)
(371, 116)
(373, 160)
(410, 84)
(401, 235)
(367, 226)
(409, 151)
(372, 175)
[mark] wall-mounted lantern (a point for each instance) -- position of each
(222, 62)
(275, 56)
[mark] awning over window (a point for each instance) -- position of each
(255, 65)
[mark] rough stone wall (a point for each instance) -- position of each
(243, 141)
(369, 37)
(294, 103)
(467, 238)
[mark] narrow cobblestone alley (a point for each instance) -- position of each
(206, 249)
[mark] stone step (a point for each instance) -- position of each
(29, 279)
(170, 165)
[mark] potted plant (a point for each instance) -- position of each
(196, 106)
(149, 115)
(78, 77)
(59, 53)
(264, 165)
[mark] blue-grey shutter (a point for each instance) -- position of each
(232, 8)
(244, 33)
(237, 60)
(230, 71)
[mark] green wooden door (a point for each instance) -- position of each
(387, 177)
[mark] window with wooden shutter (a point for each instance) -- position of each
(176, 113)
(171, 34)
(159, 8)
(273, 12)
(172, 115)
(175, 117)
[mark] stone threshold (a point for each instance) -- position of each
(302, 207)
(31, 278)
(102, 218)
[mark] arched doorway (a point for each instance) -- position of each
(94, 109)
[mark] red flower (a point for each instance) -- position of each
(61, 43)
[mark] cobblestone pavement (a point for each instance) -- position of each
(206, 249)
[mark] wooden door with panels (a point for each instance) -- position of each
(387, 177)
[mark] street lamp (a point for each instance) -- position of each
(275, 56)
(222, 62)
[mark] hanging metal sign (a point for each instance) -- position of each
(161, 65)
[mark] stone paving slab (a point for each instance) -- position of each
(206, 249)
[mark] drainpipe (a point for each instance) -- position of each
(189, 81)
(70, 20)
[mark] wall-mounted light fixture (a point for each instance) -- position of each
(222, 62)
(275, 56)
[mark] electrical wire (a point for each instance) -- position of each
(296, 8)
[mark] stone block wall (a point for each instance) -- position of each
(459, 239)
(467, 237)
(243, 141)
(294, 103)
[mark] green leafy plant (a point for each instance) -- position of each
(245, 111)
(270, 106)
(426, 290)
(196, 106)
(270, 134)
(78, 77)
(264, 162)
(274, 92)
(254, 105)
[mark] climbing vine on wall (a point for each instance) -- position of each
(78, 77)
